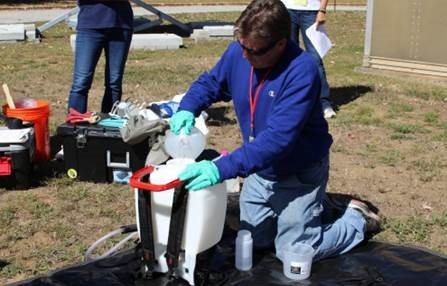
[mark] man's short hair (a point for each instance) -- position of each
(267, 20)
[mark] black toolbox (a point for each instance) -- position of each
(17, 149)
(94, 153)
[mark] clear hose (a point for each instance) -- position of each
(133, 233)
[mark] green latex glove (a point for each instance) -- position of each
(182, 119)
(203, 174)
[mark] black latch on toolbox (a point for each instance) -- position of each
(81, 138)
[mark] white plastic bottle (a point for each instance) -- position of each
(244, 250)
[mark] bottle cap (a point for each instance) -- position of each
(244, 234)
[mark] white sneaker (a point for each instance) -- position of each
(329, 112)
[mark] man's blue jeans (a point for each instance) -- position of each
(89, 44)
(301, 20)
(291, 211)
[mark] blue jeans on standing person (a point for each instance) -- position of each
(291, 211)
(89, 44)
(301, 20)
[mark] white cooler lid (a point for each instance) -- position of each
(14, 136)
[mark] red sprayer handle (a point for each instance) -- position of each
(135, 181)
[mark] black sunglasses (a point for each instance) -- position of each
(259, 52)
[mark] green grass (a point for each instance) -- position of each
(7, 216)
(405, 128)
(12, 269)
(431, 117)
(397, 109)
(416, 229)
(406, 131)
(38, 209)
(391, 157)
(359, 114)
(435, 92)
(427, 170)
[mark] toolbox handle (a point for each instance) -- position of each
(135, 181)
(111, 164)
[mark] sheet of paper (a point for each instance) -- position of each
(319, 39)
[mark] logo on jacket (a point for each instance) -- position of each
(271, 93)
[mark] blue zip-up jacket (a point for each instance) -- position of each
(289, 128)
(96, 14)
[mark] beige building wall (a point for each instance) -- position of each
(407, 35)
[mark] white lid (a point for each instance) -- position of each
(244, 234)
(10, 136)
(185, 146)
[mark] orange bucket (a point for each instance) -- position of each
(39, 116)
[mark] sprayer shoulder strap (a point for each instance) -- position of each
(146, 232)
(176, 225)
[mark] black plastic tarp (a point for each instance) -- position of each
(373, 263)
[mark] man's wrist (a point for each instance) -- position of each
(322, 10)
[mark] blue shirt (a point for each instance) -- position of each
(108, 14)
(289, 128)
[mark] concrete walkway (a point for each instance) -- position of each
(43, 15)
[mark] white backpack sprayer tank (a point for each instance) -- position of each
(196, 228)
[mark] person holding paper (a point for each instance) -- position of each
(303, 14)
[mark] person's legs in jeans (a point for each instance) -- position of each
(294, 206)
(116, 51)
(89, 44)
(256, 213)
(298, 202)
(304, 20)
